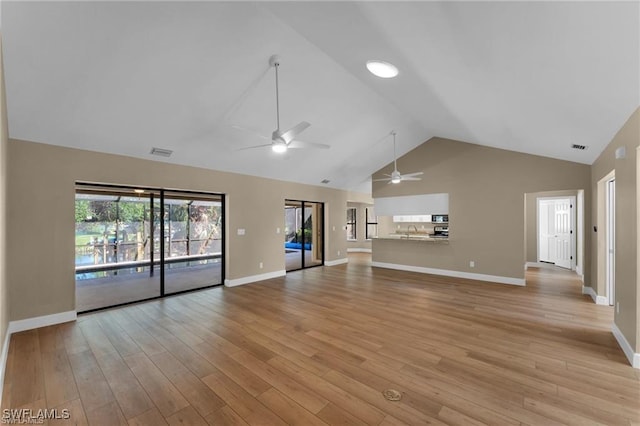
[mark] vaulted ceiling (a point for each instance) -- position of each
(123, 77)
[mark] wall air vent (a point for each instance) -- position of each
(580, 147)
(325, 181)
(161, 152)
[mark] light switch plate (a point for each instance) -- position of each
(241, 231)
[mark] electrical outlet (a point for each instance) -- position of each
(472, 264)
(261, 265)
(617, 307)
(338, 252)
(334, 228)
(277, 230)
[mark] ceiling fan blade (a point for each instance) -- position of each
(254, 147)
(382, 180)
(291, 134)
(301, 144)
(253, 132)
(409, 178)
(412, 174)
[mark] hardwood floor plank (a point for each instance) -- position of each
(187, 416)
(60, 385)
(225, 416)
(288, 409)
(151, 417)
(161, 391)
(92, 386)
(200, 396)
(319, 346)
(131, 396)
(26, 366)
(240, 401)
(334, 415)
(108, 414)
(76, 414)
(295, 391)
(235, 370)
(330, 392)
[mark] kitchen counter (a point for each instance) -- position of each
(413, 237)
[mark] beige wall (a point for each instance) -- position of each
(486, 189)
(41, 196)
(626, 272)
(361, 242)
(4, 140)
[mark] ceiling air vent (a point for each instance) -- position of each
(580, 147)
(161, 152)
(325, 181)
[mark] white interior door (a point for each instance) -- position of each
(546, 237)
(562, 232)
(611, 240)
(556, 240)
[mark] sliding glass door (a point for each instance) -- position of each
(135, 244)
(193, 241)
(304, 234)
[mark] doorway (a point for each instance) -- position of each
(610, 230)
(556, 236)
(304, 234)
(134, 244)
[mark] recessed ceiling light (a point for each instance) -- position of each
(382, 69)
(139, 191)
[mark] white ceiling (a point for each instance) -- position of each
(123, 77)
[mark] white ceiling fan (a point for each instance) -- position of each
(281, 141)
(396, 176)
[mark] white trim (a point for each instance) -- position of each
(579, 272)
(634, 358)
(253, 278)
(358, 250)
(598, 300)
(336, 262)
(3, 360)
(43, 321)
(536, 265)
(448, 273)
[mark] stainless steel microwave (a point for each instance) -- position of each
(440, 218)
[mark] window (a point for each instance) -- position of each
(371, 230)
(133, 244)
(351, 223)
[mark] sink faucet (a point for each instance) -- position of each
(409, 229)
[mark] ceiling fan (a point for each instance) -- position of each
(280, 140)
(396, 176)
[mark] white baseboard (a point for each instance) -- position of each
(254, 278)
(43, 321)
(336, 262)
(535, 265)
(598, 300)
(455, 274)
(358, 250)
(633, 357)
(580, 273)
(3, 360)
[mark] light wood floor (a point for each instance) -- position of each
(319, 346)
